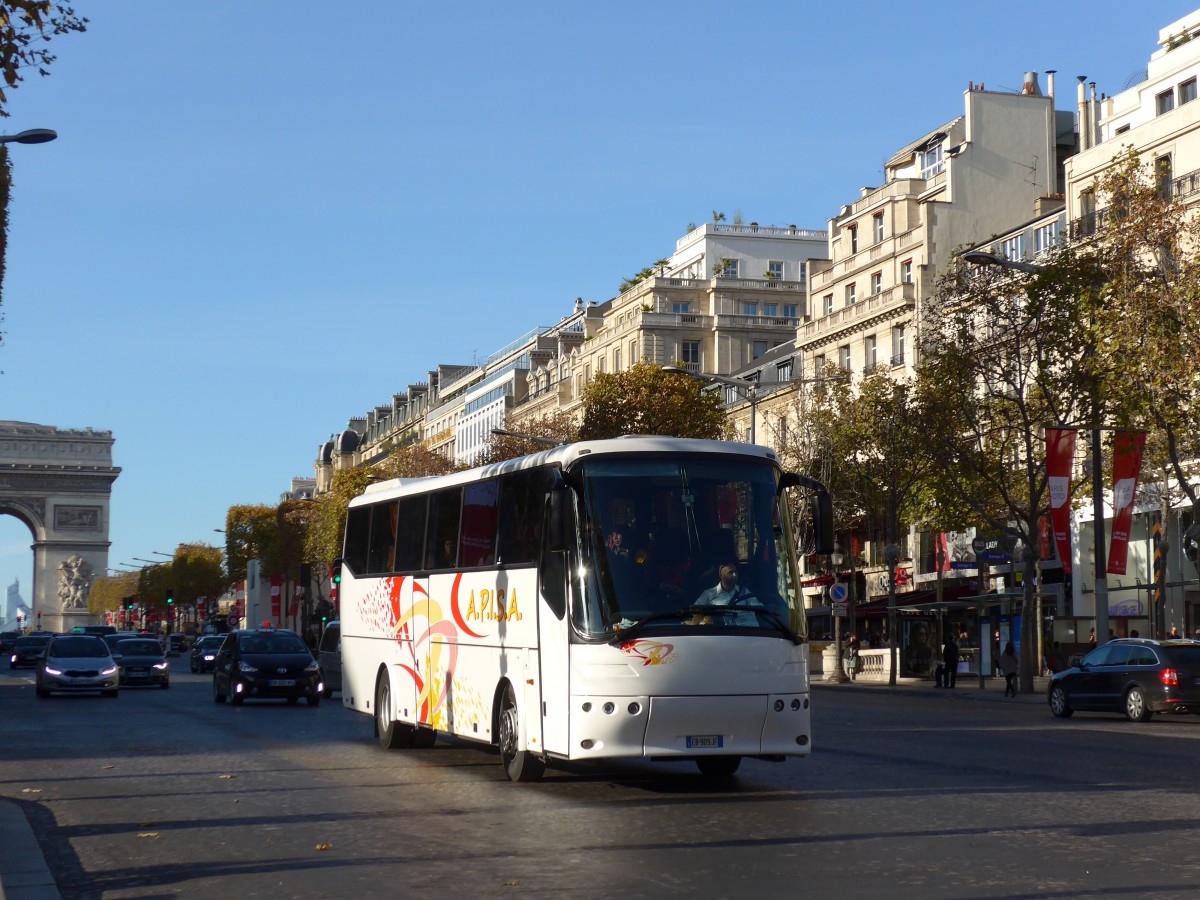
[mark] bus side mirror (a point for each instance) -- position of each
(822, 516)
(560, 520)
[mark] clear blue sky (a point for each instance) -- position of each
(263, 218)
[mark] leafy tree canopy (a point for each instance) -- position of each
(646, 400)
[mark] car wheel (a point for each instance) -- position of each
(390, 733)
(218, 697)
(42, 692)
(519, 765)
(236, 697)
(1136, 709)
(718, 766)
(1058, 702)
(165, 685)
(314, 699)
(112, 695)
(194, 669)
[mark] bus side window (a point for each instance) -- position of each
(553, 567)
(358, 530)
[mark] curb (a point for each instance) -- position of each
(972, 690)
(24, 874)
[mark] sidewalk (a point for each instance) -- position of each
(966, 687)
(24, 874)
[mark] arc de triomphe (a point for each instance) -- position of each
(59, 483)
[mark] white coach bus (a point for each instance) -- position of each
(636, 597)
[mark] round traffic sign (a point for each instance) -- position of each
(838, 592)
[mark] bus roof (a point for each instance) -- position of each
(566, 456)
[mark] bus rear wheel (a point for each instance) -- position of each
(392, 735)
(519, 765)
(718, 766)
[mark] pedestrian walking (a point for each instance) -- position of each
(949, 661)
(1009, 667)
(852, 656)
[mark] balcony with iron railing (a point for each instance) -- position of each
(900, 297)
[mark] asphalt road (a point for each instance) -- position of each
(909, 793)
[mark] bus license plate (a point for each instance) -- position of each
(282, 682)
(704, 741)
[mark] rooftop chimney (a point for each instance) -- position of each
(1031, 85)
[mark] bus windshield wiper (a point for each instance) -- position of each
(782, 625)
(624, 633)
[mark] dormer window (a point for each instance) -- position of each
(931, 161)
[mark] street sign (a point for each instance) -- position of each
(838, 592)
(839, 610)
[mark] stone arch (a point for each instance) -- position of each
(59, 484)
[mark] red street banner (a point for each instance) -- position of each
(1127, 465)
(275, 588)
(294, 606)
(1060, 460)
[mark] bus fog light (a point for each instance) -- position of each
(587, 707)
(635, 708)
(795, 704)
(778, 706)
(802, 739)
(609, 708)
(588, 744)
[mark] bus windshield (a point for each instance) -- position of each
(685, 542)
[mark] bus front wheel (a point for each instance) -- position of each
(391, 734)
(519, 765)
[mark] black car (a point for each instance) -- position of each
(329, 653)
(27, 650)
(204, 652)
(142, 661)
(1134, 676)
(266, 663)
(7, 639)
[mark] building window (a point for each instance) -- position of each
(726, 268)
(851, 294)
(691, 354)
(680, 308)
(853, 238)
(819, 365)
(579, 386)
(760, 347)
(844, 357)
(771, 310)
(931, 161)
(872, 352)
(783, 371)
(1163, 176)
(600, 365)
(1087, 211)
(829, 304)
(1122, 129)
(877, 283)
(1187, 91)
(898, 345)
(1164, 102)
(617, 359)
(1045, 238)
(633, 354)
(877, 227)
(775, 270)
(906, 275)
(1013, 248)
(749, 308)
(790, 310)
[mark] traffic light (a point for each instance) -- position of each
(335, 571)
(170, 596)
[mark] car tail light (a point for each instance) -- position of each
(1169, 677)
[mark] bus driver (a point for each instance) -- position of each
(727, 592)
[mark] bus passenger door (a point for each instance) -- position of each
(554, 661)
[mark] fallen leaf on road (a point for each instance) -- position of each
(150, 834)
(31, 790)
(226, 776)
(323, 847)
(108, 767)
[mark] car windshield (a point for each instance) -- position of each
(271, 643)
(662, 536)
(209, 643)
(78, 648)
(129, 647)
(32, 642)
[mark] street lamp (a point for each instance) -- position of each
(29, 136)
(891, 556)
(983, 258)
(750, 387)
(160, 553)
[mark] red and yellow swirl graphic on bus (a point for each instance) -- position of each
(651, 653)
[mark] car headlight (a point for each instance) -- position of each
(162, 665)
(313, 666)
(209, 657)
(50, 670)
(109, 671)
(246, 667)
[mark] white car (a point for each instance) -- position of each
(77, 662)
